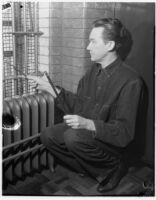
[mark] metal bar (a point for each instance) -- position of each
(25, 33)
(36, 37)
(22, 153)
(14, 46)
(19, 70)
(31, 15)
(25, 45)
(16, 77)
(51, 83)
(11, 77)
(20, 142)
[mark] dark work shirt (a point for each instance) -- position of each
(110, 97)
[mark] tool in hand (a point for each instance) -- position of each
(57, 95)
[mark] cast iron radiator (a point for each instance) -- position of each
(23, 153)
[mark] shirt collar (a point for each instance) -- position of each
(110, 68)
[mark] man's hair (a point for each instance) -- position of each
(114, 30)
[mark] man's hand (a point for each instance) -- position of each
(42, 83)
(78, 122)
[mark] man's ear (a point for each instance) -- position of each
(111, 45)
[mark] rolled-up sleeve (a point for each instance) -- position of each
(120, 130)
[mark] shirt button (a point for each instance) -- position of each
(97, 104)
(99, 87)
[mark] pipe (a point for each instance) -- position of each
(21, 153)
(20, 142)
(10, 122)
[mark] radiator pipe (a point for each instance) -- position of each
(21, 153)
(20, 142)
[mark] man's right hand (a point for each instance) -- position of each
(42, 83)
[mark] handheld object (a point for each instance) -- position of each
(57, 95)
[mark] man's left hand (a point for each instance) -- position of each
(78, 122)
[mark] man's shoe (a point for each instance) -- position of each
(113, 179)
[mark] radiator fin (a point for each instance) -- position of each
(36, 112)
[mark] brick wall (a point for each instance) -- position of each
(44, 16)
(55, 42)
(69, 28)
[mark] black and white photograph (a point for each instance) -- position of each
(77, 96)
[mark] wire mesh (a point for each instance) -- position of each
(19, 47)
(31, 54)
(7, 41)
(9, 88)
(30, 15)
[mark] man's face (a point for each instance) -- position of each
(98, 48)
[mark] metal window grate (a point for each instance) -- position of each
(20, 46)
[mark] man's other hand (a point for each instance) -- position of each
(78, 122)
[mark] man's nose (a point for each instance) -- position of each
(88, 47)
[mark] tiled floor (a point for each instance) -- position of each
(64, 182)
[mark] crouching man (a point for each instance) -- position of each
(102, 117)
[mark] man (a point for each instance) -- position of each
(102, 117)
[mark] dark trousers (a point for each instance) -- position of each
(78, 149)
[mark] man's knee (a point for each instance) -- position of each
(74, 139)
(70, 138)
(52, 133)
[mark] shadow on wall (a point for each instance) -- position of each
(137, 146)
(127, 46)
(143, 49)
(136, 149)
(142, 57)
